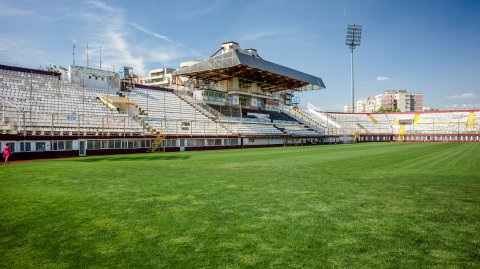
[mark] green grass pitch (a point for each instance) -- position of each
(377, 205)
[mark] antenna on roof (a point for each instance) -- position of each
(100, 57)
(87, 54)
(73, 53)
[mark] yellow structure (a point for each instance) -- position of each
(401, 133)
(470, 121)
(157, 143)
(375, 121)
(301, 114)
(415, 118)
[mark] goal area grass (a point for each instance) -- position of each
(374, 205)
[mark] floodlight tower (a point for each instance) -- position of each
(354, 34)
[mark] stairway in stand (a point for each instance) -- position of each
(375, 121)
(203, 108)
(401, 133)
(363, 128)
(416, 118)
(307, 118)
(471, 120)
(157, 143)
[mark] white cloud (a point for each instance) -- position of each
(142, 29)
(112, 35)
(382, 78)
(465, 95)
(104, 24)
(273, 32)
(17, 51)
(201, 11)
(119, 44)
(119, 47)
(257, 35)
(101, 5)
(164, 55)
(120, 51)
(6, 11)
(157, 35)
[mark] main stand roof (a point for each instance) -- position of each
(270, 76)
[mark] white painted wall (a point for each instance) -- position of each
(93, 78)
(263, 141)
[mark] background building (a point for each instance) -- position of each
(161, 77)
(391, 100)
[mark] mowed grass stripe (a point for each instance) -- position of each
(363, 205)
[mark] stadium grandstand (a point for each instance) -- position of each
(86, 111)
(232, 99)
(246, 94)
(431, 126)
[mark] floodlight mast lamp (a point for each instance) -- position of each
(354, 34)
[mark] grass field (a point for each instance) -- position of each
(400, 205)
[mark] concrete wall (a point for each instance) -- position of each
(93, 78)
(262, 141)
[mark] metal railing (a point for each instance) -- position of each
(289, 111)
(204, 108)
(198, 104)
(17, 121)
(183, 127)
(433, 124)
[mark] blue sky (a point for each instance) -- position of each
(427, 46)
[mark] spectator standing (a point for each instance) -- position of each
(6, 153)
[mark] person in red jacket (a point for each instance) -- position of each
(6, 153)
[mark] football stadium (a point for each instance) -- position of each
(223, 166)
(234, 99)
(225, 169)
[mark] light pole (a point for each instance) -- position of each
(354, 34)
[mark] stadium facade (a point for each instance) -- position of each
(233, 99)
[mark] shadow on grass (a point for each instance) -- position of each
(132, 158)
